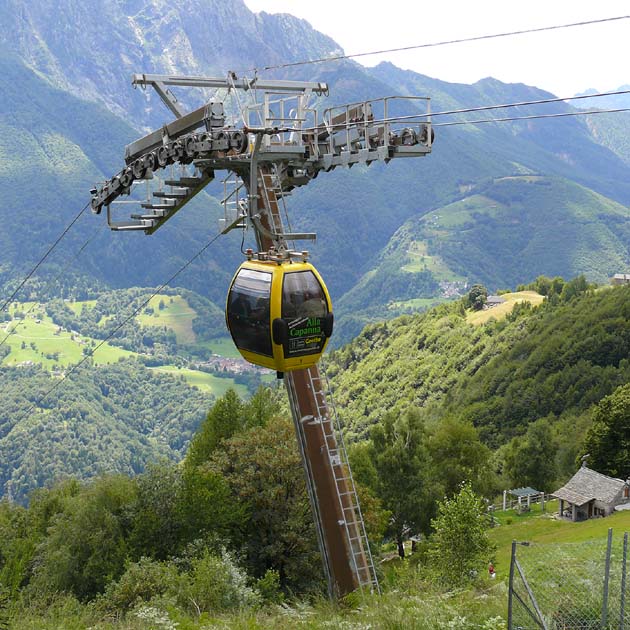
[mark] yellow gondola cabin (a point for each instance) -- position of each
(279, 313)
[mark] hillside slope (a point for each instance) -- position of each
(110, 419)
(559, 358)
(500, 233)
(53, 147)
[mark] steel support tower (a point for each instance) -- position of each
(278, 142)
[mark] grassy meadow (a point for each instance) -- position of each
(175, 314)
(205, 382)
(410, 599)
(38, 340)
(502, 310)
(421, 260)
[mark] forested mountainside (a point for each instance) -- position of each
(227, 534)
(114, 418)
(149, 371)
(553, 361)
(54, 146)
(526, 222)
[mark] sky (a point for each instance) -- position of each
(564, 62)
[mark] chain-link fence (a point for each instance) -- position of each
(570, 586)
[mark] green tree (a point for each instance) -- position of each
(86, 544)
(158, 515)
(477, 297)
(531, 460)
(208, 509)
(574, 287)
(375, 517)
(459, 546)
(261, 407)
(460, 456)
(223, 421)
(262, 467)
(404, 483)
(608, 439)
(22, 530)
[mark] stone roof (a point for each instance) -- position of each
(495, 299)
(587, 485)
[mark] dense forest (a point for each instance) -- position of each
(554, 361)
(115, 418)
(230, 529)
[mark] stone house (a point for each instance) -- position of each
(590, 494)
(493, 300)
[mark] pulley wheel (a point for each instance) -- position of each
(150, 161)
(161, 155)
(238, 141)
(126, 178)
(190, 146)
(139, 169)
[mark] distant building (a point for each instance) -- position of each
(493, 300)
(589, 494)
(620, 278)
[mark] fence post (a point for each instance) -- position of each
(511, 586)
(606, 581)
(622, 614)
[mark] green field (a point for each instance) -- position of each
(420, 260)
(534, 527)
(204, 381)
(460, 213)
(175, 314)
(416, 303)
(38, 340)
(223, 346)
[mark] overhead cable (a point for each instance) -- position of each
(481, 108)
(43, 258)
(447, 42)
(533, 117)
(542, 101)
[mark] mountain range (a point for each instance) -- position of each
(67, 110)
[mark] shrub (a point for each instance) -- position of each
(459, 546)
(269, 587)
(142, 581)
(216, 584)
